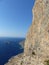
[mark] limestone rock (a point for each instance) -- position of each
(36, 49)
(22, 43)
(38, 36)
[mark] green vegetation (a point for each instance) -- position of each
(47, 62)
(21, 62)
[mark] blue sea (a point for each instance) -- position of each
(9, 47)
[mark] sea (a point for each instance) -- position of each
(9, 47)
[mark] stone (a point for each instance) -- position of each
(38, 35)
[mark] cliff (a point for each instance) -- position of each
(36, 50)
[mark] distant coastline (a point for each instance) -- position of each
(8, 50)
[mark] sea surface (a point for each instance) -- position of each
(9, 47)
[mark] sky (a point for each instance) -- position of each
(15, 17)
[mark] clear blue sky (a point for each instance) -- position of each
(15, 17)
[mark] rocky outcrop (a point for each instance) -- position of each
(37, 41)
(22, 43)
(38, 35)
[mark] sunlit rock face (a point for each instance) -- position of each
(38, 36)
(36, 49)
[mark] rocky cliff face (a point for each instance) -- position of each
(38, 35)
(37, 41)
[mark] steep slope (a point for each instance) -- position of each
(37, 41)
(38, 35)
